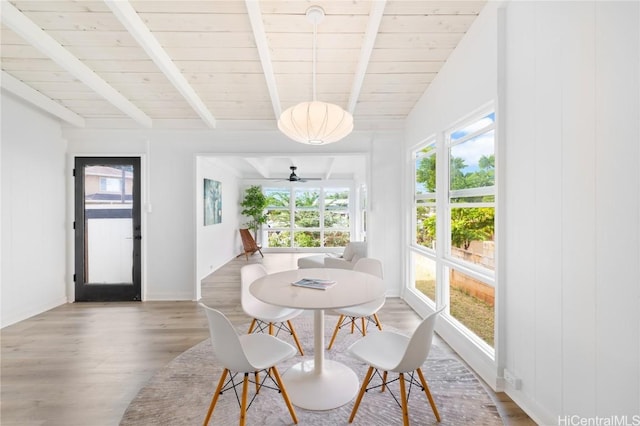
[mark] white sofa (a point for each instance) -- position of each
(352, 252)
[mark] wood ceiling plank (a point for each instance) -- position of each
(78, 21)
(93, 38)
(435, 7)
(219, 66)
(21, 51)
(426, 24)
(331, 7)
(408, 55)
(331, 24)
(96, 109)
(304, 40)
(61, 6)
(189, 6)
(205, 39)
(212, 53)
(385, 97)
(404, 67)
(306, 55)
(197, 22)
(418, 40)
(324, 67)
(394, 87)
(223, 80)
(44, 76)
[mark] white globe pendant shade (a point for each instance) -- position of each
(315, 123)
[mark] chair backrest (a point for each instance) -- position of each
(225, 342)
(247, 240)
(419, 345)
(248, 274)
(369, 265)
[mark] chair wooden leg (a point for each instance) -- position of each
(378, 323)
(384, 381)
(363, 388)
(285, 395)
(257, 377)
(214, 400)
(253, 324)
(403, 396)
(271, 328)
(428, 393)
(353, 324)
(364, 326)
(335, 331)
(243, 407)
(295, 337)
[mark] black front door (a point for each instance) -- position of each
(107, 229)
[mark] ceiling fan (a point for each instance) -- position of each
(293, 177)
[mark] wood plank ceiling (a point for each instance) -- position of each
(225, 63)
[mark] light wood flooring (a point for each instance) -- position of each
(82, 363)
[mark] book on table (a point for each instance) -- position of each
(315, 283)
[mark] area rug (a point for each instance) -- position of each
(180, 393)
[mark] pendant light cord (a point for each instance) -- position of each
(315, 28)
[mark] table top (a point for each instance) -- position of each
(351, 288)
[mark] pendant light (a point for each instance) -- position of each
(315, 122)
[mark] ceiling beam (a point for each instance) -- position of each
(259, 166)
(375, 17)
(34, 35)
(29, 94)
(332, 162)
(257, 25)
(130, 19)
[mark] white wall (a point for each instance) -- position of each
(33, 212)
(217, 244)
(171, 248)
(467, 82)
(569, 292)
(572, 149)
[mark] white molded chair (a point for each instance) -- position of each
(248, 353)
(388, 351)
(265, 316)
(366, 312)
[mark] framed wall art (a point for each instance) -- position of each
(212, 202)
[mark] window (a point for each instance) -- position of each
(336, 217)
(308, 217)
(425, 195)
(471, 200)
(452, 245)
(110, 184)
(278, 216)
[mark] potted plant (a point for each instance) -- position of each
(254, 205)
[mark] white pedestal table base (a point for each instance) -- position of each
(333, 387)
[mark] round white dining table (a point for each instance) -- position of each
(319, 384)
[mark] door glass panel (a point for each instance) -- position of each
(108, 204)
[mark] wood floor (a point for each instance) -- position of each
(82, 363)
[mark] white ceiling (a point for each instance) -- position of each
(276, 167)
(226, 64)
